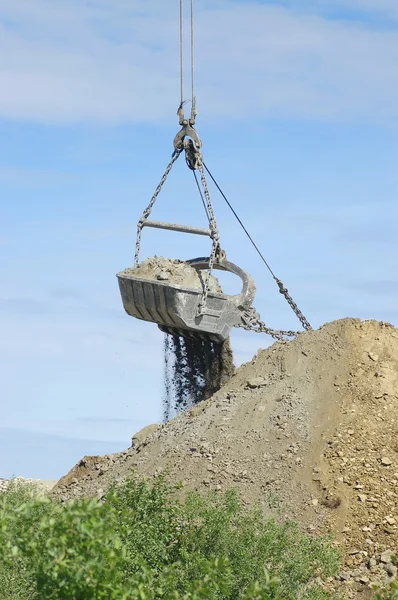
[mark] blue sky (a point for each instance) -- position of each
(298, 112)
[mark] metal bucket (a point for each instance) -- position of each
(175, 308)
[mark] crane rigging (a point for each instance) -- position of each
(180, 310)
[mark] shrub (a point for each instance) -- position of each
(388, 593)
(141, 542)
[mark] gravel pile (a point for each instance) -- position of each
(308, 429)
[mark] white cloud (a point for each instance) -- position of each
(388, 7)
(117, 61)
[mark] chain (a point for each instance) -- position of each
(215, 236)
(148, 209)
(193, 154)
(293, 305)
(251, 322)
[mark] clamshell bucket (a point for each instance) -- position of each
(174, 308)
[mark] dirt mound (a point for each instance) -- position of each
(308, 428)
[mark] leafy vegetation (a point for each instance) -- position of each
(142, 543)
(388, 593)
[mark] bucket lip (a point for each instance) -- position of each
(122, 275)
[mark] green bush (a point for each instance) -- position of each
(143, 543)
(388, 593)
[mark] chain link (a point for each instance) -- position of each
(251, 322)
(148, 209)
(215, 236)
(293, 305)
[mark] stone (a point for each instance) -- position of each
(391, 570)
(256, 382)
(163, 276)
(362, 497)
(141, 436)
(372, 563)
(385, 461)
(385, 557)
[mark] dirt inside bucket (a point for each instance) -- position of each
(174, 272)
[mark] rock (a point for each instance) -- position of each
(385, 556)
(385, 461)
(256, 382)
(373, 357)
(163, 276)
(391, 570)
(372, 563)
(390, 520)
(362, 497)
(141, 436)
(331, 502)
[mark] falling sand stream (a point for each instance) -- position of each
(193, 371)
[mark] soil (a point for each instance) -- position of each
(308, 429)
(172, 271)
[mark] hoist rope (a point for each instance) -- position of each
(182, 54)
(240, 222)
(279, 283)
(192, 58)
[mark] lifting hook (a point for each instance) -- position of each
(191, 146)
